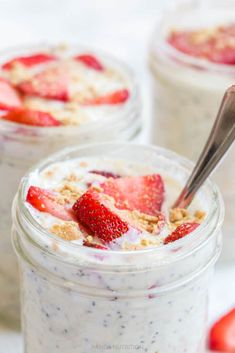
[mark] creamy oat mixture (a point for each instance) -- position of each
(80, 200)
(59, 87)
(77, 299)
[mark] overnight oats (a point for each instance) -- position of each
(193, 62)
(105, 263)
(51, 97)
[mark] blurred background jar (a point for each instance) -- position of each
(22, 145)
(187, 93)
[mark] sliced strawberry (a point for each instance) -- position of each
(29, 60)
(31, 117)
(94, 245)
(113, 98)
(9, 98)
(181, 231)
(214, 44)
(142, 193)
(222, 334)
(47, 201)
(106, 174)
(51, 83)
(90, 61)
(227, 56)
(95, 213)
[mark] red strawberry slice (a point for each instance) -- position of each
(106, 174)
(31, 117)
(90, 61)
(113, 98)
(227, 56)
(222, 334)
(182, 41)
(142, 193)
(47, 201)
(181, 231)
(30, 60)
(215, 45)
(94, 245)
(51, 83)
(96, 214)
(9, 98)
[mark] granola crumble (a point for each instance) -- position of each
(69, 192)
(178, 216)
(66, 230)
(145, 222)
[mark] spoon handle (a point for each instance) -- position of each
(221, 138)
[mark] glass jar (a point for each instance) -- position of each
(187, 94)
(78, 300)
(22, 145)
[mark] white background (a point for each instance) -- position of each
(121, 27)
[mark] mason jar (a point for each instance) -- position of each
(78, 300)
(23, 145)
(187, 92)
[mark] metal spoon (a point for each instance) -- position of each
(220, 139)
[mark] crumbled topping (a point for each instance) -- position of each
(73, 178)
(49, 173)
(204, 35)
(87, 93)
(145, 222)
(66, 230)
(69, 192)
(199, 215)
(70, 120)
(18, 73)
(89, 238)
(144, 243)
(99, 189)
(83, 164)
(131, 247)
(178, 216)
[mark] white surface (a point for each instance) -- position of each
(120, 27)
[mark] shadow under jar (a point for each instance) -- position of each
(22, 145)
(78, 300)
(188, 91)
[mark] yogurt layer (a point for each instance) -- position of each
(108, 204)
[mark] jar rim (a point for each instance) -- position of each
(132, 105)
(159, 45)
(184, 246)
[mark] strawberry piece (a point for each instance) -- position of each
(94, 245)
(100, 217)
(47, 201)
(142, 193)
(29, 61)
(106, 174)
(227, 56)
(113, 98)
(31, 117)
(222, 334)
(214, 45)
(9, 98)
(51, 83)
(90, 61)
(181, 231)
